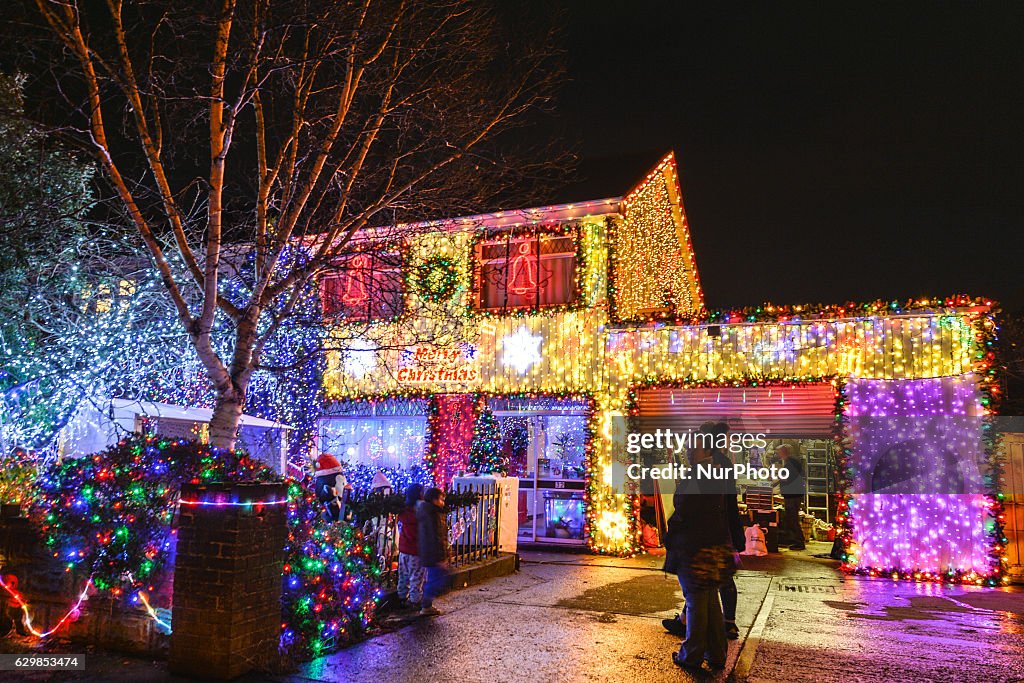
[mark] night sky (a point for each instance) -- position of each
(826, 155)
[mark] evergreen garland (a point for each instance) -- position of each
(377, 505)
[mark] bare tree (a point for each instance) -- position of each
(289, 124)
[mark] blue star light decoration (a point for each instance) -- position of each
(521, 350)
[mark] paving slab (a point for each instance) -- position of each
(859, 629)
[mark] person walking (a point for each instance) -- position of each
(727, 592)
(794, 491)
(410, 572)
(434, 548)
(699, 551)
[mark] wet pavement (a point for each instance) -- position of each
(833, 628)
(568, 617)
(561, 618)
(581, 617)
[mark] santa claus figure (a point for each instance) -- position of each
(331, 487)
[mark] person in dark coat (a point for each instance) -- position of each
(699, 551)
(794, 492)
(434, 548)
(727, 591)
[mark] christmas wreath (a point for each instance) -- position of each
(438, 278)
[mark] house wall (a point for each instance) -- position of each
(583, 350)
(1013, 487)
(875, 347)
(653, 266)
(608, 363)
(366, 359)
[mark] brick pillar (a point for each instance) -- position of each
(226, 618)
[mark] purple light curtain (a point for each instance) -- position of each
(918, 494)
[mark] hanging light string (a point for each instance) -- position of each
(152, 612)
(20, 603)
(233, 503)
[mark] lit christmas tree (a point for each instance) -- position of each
(485, 452)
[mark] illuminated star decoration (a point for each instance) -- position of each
(521, 350)
(360, 358)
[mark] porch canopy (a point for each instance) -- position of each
(101, 423)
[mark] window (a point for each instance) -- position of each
(366, 286)
(545, 443)
(387, 434)
(382, 442)
(107, 297)
(526, 271)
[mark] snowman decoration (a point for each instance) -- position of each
(331, 487)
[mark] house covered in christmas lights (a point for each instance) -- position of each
(559, 319)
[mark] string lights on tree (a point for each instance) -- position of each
(331, 588)
(485, 455)
(108, 517)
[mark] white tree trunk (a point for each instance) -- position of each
(227, 415)
(232, 383)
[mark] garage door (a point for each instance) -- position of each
(782, 411)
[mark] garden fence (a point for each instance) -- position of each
(472, 531)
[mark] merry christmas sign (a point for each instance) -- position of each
(435, 364)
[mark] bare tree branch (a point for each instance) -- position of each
(321, 120)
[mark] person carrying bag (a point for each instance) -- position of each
(699, 551)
